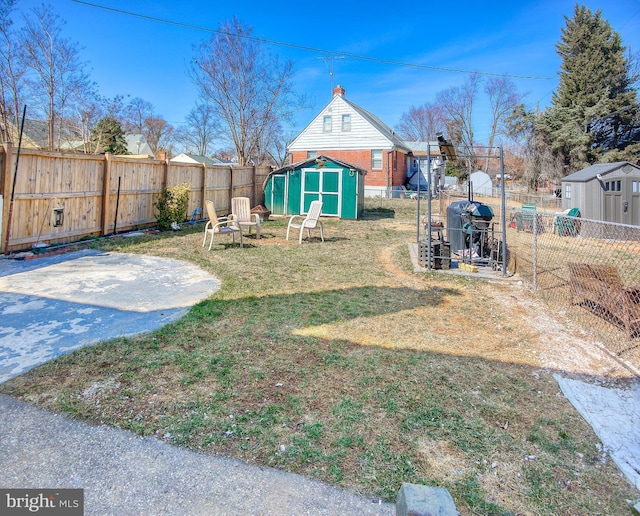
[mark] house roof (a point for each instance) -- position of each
(187, 157)
(590, 173)
(421, 148)
(136, 144)
(27, 141)
(378, 124)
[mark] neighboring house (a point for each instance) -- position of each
(187, 157)
(422, 153)
(605, 191)
(35, 134)
(28, 142)
(345, 131)
(138, 146)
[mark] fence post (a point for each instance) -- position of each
(203, 195)
(535, 251)
(5, 192)
(106, 189)
(165, 179)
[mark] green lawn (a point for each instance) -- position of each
(336, 361)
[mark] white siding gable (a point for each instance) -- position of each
(362, 135)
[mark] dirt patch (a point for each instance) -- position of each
(512, 326)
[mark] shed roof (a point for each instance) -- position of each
(314, 162)
(590, 173)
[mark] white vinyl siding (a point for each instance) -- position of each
(362, 135)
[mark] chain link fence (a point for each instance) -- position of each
(585, 270)
(588, 268)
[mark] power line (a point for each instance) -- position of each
(310, 49)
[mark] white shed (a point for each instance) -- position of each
(480, 183)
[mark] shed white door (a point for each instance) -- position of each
(324, 184)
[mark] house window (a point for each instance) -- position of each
(346, 123)
(376, 159)
(618, 185)
(312, 154)
(567, 192)
(326, 124)
(635, 186)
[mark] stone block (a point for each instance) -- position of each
(419, 500)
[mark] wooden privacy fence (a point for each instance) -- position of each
(61, 198)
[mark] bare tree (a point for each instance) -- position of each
(503, 98)
(272, 147)
(158, 133)
(139, 117)
(86, 113)
(421, 123)
(135, 113)
(247, 88)
(12, 71)
(201, 130)
(457, 103)
(56, 73)
(226, 154)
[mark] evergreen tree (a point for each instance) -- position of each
(594, 111)
(108, 136)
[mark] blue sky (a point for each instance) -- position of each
(143, 58)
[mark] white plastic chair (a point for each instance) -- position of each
(308, 222)
(242, 216)
(219, 226)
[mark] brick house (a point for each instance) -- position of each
(345, 131)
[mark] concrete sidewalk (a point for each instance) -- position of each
(123, 474)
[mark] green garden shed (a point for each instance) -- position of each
(339, 185)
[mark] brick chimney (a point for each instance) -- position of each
(338, 90)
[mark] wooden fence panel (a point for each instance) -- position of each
(133, 186)
(93, 192)
(51, 181)
(243, 184)
(193, 175)
(218, 188)
(262, 172)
